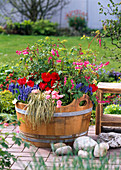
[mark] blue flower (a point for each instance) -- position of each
(16, 86)
(78, 85)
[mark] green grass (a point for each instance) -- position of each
(9, 44)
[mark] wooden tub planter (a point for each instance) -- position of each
(68, 123)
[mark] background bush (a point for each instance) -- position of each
(27, 27)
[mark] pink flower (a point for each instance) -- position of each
(58, 61)
(49, 59)
(61, 96)
(101, 65)
(1, 85)
(80, 64)
(76, 68)
(96, 68)
(54, 92)
(35, 91)
(25, 52)
(72, 84)
(53, 53)
(6, 124)
(85, 63)
(100, 42)
(48, 92)
(57, 53)
(65, 78)
(17, 130)
(74, 63)
(81, 53)
(57, 45)
(72, 81)
(106, 63)
(47, 97)
(18, 52)
(53, 96)
(59, 102)
(37, 50)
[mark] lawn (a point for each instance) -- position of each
(10, 43)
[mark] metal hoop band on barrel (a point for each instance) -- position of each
(64, 114)
(51, 139)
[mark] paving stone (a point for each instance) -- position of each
(44, 152)
(30, 149)
(20, 165)
(14, 150)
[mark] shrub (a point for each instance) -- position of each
(24, 28)
(44, 27)
(2, 29)
(6, 105)
(113, 109)
(76, 20)
(27, 27)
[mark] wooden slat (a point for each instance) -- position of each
(111, 120)
(110, 86)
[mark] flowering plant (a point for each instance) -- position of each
(51, 67)
(76, 19)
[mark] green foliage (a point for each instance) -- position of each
(24, 28)
(8, 75)
(76, 20)
(44, 27)
(78, 23)
(2, 30)
(27, 27)
(6, 105)
(75, 162)
(6, 158)
(112, 27)
(113, 109)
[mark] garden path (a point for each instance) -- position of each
(24, 158)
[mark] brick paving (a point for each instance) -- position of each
(24, 155)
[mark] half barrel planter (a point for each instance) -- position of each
(68, 123)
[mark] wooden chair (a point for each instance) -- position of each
(106, 120)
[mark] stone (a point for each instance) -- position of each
(112, 138)
(55, 146)
(83, 154)
(101, 149)
(84, 143)
(65, 150)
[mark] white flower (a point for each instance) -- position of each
(14, 101)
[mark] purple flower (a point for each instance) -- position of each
(78, 85)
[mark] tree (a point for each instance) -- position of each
(112, 27)
(33, 9)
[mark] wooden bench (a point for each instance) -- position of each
(106, 120)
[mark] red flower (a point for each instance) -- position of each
(48, 88)
(22, 81)
(42, 85)
(55, 76)
(46, 77)
(52, 83)
(94, 87)
(30, 83)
